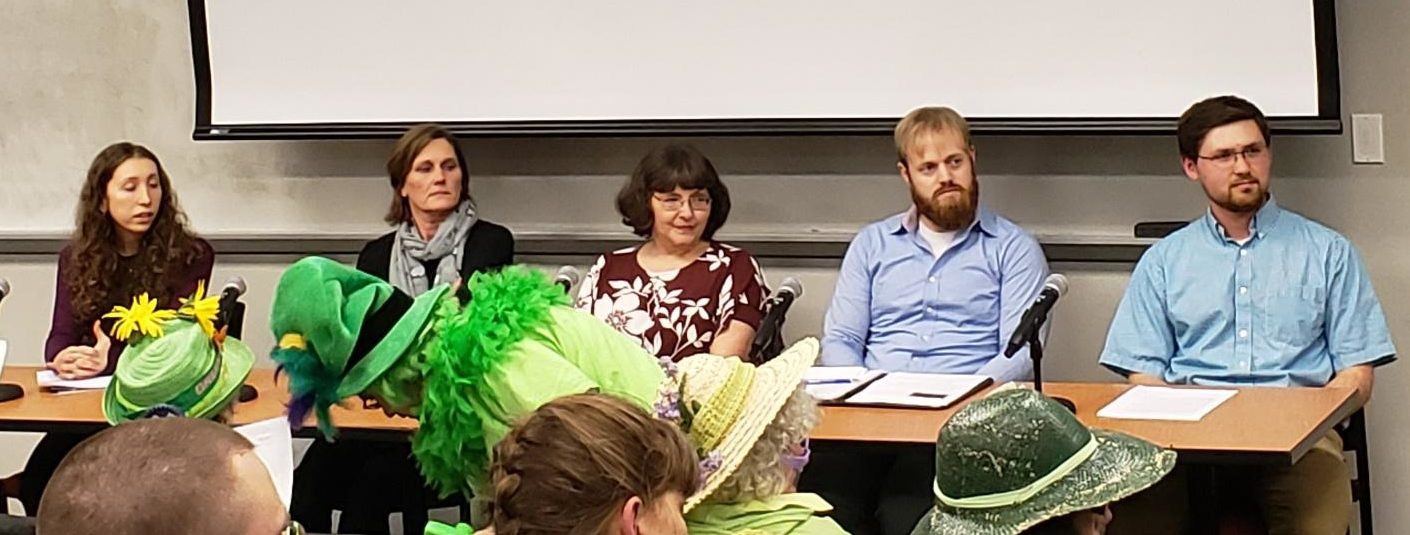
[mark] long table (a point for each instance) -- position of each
(1258, 425)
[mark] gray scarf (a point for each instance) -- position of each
(447, 248)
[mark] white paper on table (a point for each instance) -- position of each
(831, 383)
(4, 349)
(274, 444)
(1165, 403)
(49, 379)
(929, 390)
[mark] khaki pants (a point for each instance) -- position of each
(1312, 497)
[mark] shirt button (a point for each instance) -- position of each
(1243, 333)
(1243, 290)
(932, 279)
(1243, 252)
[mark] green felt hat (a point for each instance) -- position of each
(180, 373)
(340, 329)
(1010, 461)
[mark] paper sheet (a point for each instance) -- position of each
(49, 379)
(832, 383)
(274, 444)
(1165, 403)
(929, 390)
(4, 349)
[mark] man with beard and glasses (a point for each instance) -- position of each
(936, 289)
(1253, 294)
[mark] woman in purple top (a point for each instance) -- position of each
(131, 237)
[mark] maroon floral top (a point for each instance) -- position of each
(676, 313)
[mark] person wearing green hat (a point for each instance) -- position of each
(176, 363)
(1018, 462)
(466, 372)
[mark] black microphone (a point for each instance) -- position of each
(232, 312)
(788, 291)
(567, 277)
(1053, 288)
(8, 391)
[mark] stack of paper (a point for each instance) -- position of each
(927, 390)
(1165, 403)
(47, 379)
(831, 383)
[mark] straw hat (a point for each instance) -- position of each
(731, 402)
(1012, 460)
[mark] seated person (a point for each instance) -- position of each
(439, 239)
(750, 473)
(1044, 473)
(1253, 294)
(179, 366)
(680, 292)
(590, 463)
(937, 289)
(466, 372)
(131, 236)
(163, 475)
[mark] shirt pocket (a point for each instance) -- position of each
(1294, 317)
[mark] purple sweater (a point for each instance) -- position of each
(65, 330)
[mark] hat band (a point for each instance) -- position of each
(186, 399)
(1023, 494)
(715, 419)
(377, 324)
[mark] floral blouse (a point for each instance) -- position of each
(675, 313)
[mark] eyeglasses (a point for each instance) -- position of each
(1226, 158)
(699, 202)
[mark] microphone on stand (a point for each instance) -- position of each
(567, 277)
(768, 341)
(232, 318)
(1030, 329)
(8, 391)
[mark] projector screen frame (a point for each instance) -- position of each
(1327, 121)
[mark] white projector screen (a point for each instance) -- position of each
(327, 68)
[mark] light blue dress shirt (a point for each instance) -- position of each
(899, 308)
(1289, 307)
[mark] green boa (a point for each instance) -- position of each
(450, 445)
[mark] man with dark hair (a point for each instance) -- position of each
(1252, 294)
(163, 475)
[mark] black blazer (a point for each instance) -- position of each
(487, 247)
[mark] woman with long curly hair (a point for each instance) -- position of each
(131, 237)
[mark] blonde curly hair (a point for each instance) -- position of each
(762, 475)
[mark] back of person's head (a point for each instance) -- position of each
(163, 475)
(591, 463)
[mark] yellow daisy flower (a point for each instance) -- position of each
(142, 317)
(204, 309)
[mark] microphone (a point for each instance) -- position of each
(771, 326)
(232, 312)
(567, 277)
(1053, 288)
(4, 288)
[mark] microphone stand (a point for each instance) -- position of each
(1035, 352)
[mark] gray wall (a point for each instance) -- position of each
(77, 75)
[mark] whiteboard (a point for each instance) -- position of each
(311, 63)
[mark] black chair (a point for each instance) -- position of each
(1353, 433)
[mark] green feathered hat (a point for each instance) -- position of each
(339, 329)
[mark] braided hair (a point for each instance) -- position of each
(571, 466)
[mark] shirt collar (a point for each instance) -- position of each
(909, 221)
(1263, 222)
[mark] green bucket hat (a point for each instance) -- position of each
(340, 329)
(181, 373)
(1010, 461)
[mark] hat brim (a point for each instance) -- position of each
(1122, 465)
(236, 362)
(774, 382)
(393, 345)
